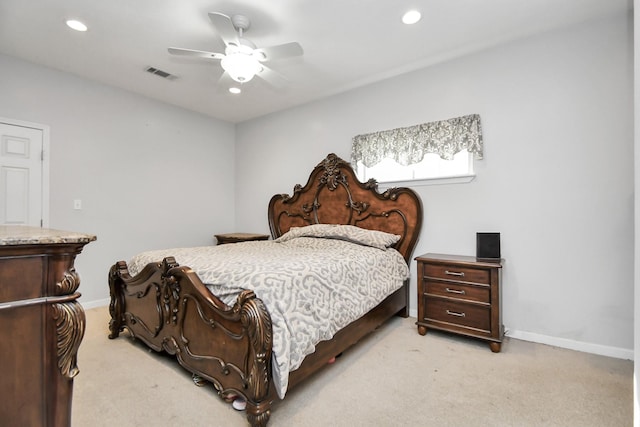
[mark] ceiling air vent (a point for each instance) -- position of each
(161, 73)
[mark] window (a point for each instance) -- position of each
(429, 151)
(431, 167)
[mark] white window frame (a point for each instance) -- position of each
(364, 175)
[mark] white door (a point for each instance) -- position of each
(21, 175)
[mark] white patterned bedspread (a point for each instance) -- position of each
(312, 287)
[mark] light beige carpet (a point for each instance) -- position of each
(395, 377)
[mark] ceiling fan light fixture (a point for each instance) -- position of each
(241, 67)
(242, 60)
(76, 25)
(411, 17)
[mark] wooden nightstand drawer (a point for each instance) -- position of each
(460, 294)
(458, 291)
(459, 313)
(455, 272)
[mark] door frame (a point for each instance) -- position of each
(44, 185)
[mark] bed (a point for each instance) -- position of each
(229, 331)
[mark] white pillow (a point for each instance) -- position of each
(350, 233)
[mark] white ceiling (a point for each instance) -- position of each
(347, 43)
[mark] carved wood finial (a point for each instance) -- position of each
(168, 263)
(332, 176)
(170, 291)
(372, 184)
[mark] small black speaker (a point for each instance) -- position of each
(488, 246)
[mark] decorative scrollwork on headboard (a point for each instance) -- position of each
(334, 195)
(332, 175)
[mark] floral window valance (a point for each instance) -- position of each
(409, 145)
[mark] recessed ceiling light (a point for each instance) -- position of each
(411, 17)
(76, 25)
(235, 90)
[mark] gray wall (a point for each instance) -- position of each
(556, 181)
(132, 161)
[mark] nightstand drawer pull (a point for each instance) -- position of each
(455, 313)
(455, 291)
(454, 273)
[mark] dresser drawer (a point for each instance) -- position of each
(458, 291)
(459, 313)
(21, 278)
(454, 272)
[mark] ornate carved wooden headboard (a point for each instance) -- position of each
(334, 195)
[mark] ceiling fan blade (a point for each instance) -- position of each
(225, 28)
(274, 78)
(280, 51)
(195, 53)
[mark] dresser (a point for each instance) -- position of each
(42, 324)
(460, 294)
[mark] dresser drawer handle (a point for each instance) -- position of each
(455, 291)
(455, 313)
(454, 273)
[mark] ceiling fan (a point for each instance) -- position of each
(242, 60)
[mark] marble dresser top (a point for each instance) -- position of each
(11, 235)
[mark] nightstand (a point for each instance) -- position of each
(460, 294)
(239, 237)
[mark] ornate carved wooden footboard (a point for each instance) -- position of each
(168, 307)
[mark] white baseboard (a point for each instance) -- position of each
(602, 350)
(94, 304)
